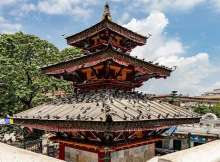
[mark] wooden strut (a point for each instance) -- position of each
(75, 64)
(116, 76)
(96, 149)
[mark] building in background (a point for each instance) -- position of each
(187, 136)
(215, 94)
(187, 101)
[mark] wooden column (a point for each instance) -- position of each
(61, 151)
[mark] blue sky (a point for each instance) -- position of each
(184, 33)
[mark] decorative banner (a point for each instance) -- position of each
(6, 121)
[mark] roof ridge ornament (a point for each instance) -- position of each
(107, 13)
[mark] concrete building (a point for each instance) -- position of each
(215, 94)
(186, 136)
(188, 102)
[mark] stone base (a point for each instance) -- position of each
(134, 154)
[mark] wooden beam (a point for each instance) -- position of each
(99, 126)
(116, 76)
(98, 148)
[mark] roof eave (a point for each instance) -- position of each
(62, 125)
(106, 24)
(168, 70)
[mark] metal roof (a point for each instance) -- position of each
(101, 104)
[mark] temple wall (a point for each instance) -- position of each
(74, 155)
(136, 154)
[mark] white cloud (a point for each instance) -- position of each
(168, 5)
(216, 4)
(7, 2)
(158, 45)
(124, 18)
(66, 7)
(191, 72)
(28, 7)
(216, 85)
(77, 8)
(189, 76)
(85, 8)
(164, 5)
(8, 27)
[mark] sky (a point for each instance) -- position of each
(185, 33)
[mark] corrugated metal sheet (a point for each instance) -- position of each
(95, 106)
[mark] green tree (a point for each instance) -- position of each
(8, 100)
(216, 110)
(21, 57)
(203, 109)
(69, 53)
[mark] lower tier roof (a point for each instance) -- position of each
(107, 106)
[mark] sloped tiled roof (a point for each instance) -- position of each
(96, 106)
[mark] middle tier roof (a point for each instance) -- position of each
(107, 67)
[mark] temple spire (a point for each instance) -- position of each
(107, 13)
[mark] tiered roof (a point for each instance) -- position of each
(106, 62)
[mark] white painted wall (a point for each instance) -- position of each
(13, 154)
(209, 152)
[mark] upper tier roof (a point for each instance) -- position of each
(110, 30)
(106, 23)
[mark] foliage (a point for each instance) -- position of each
(69, 53)
(8, 100)
(23, 85)
(202, 109)
(216, 110)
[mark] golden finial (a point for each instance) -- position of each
(106, 13)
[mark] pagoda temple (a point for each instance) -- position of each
(106, 119)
